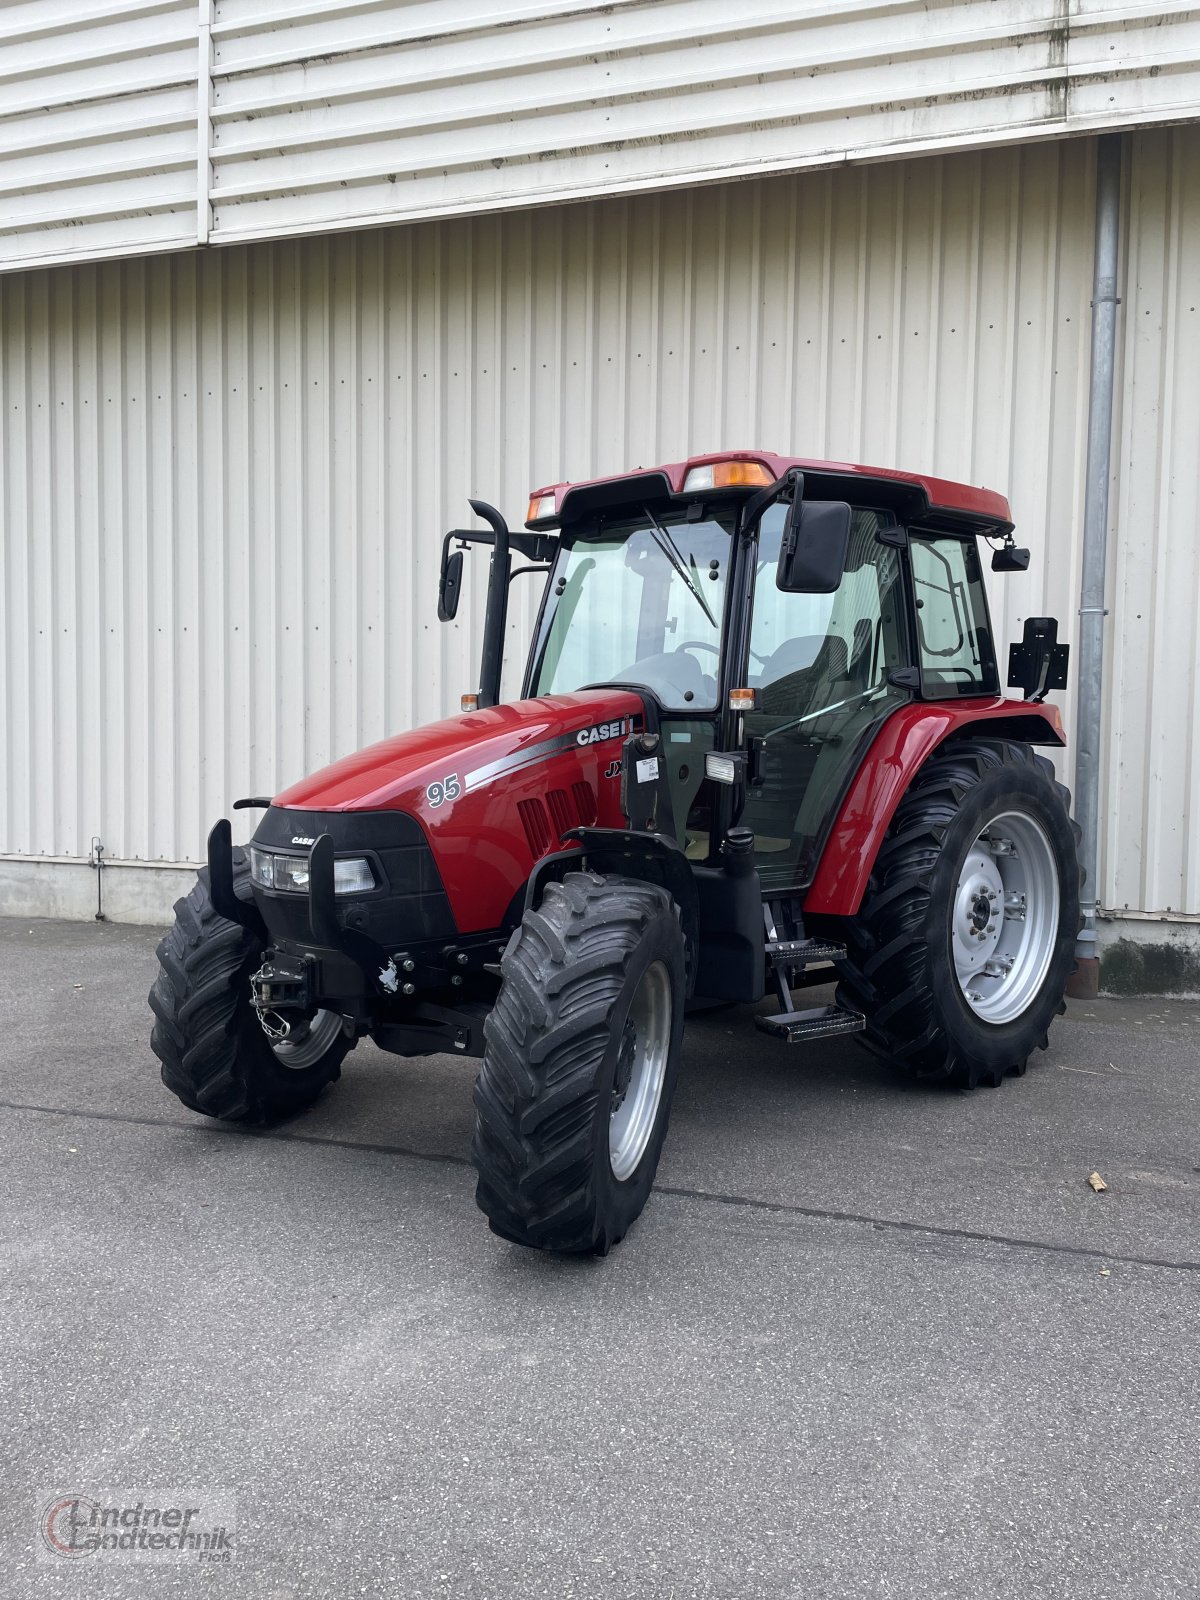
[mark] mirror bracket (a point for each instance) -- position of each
(1039, 663)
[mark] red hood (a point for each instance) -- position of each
(493, 790)
(394, 774)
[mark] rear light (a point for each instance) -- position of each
(743, 699)
(542, 505)
(728, 475)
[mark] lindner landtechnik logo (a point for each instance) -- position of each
(162, 1527)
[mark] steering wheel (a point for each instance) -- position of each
(703, 644)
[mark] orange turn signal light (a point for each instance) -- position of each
(728, 475)
(469, 702)
(743, 699)
(542, 505)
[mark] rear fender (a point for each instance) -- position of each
(902, 746)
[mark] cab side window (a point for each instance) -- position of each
(807, 650)
(954, 642)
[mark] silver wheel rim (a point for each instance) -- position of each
(641, 1071)
(1005, 917)
(308, 1042)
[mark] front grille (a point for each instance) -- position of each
(560, 811)
(585, 802)
(545, 822)
(537, 829)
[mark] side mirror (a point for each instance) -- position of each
(812, 553)
(450, 584)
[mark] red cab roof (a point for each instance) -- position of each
(939, 500)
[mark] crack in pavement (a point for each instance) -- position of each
(706, 1196)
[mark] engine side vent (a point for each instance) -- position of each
(537, 827)
(561, 814)
(585, 803)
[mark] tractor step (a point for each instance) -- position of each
(821, 1022)
(803, 952)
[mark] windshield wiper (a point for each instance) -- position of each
(668, 547)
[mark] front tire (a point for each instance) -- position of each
(579, 1067)
(960, 954)
(215, 1056)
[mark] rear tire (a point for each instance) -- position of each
(215, 1056)
(579, 1066)
(907, 969)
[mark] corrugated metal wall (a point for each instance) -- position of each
(98, 133)
(130, 125)
(226, 475)
(1153, 774)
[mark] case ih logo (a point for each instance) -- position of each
(604, 730)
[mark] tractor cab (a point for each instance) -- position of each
(772, 614)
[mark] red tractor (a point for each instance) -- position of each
(761, 742)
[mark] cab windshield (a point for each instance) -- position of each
(637, 600)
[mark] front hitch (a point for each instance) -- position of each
(281, 989)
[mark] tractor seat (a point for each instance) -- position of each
(807, 689)
(793, 655)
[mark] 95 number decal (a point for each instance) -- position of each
(443, 789)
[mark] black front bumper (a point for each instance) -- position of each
(390, 960)
(408, 906)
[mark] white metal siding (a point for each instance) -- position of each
(1153, 777)
(225, 475)
(97, 127)
(131, 125)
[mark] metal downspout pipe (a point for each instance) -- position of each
(1090, 658)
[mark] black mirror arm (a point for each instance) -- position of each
(753, 508)
(497, 604)
(537, 546)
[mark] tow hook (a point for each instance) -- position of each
(280, 985)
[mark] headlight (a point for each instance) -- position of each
(262, 868)
(291, 874)
(351, 874)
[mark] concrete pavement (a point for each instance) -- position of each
(867, 1339)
